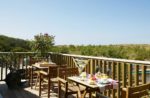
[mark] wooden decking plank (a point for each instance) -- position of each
(18, 93)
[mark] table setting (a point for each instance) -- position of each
(98, 80)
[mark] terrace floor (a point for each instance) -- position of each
(25, 92)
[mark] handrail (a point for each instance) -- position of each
(111, 59)
(92, 57)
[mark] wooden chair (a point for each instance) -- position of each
(29, 70)
(66, 86)
(138, 91)
(48, 77)
(99, 95)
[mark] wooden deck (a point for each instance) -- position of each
(26, 92)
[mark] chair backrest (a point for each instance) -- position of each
(66, 72)
(33, 61)
(138, 91)
(52, 70)
(72, 72)
(63, 66)
(62, 73)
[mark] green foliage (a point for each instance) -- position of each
(45, 43)
(61, 49)
(135, 52)
(42, 43)
(9, 44)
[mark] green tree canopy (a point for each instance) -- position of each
(42, 43)
(8, 44)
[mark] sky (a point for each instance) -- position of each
(78, 22)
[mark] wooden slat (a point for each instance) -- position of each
(94, 66)
(104, 66)
(123, 74)
(101, 66)
(130, 74)
(113, 76)
(136, 75)
(143, 74)
(71, 59)
(6, 68)
(109, 69)
(118, 78)
(91, 66)
(98, 63)
(2, 71)
(113, 70)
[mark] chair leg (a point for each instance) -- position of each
(29, 76)
(123, 94)
(37, 80)
(65, 95)
(90, 94)
(59, 89)
(49, 86)
(31, 82)
(40, 85)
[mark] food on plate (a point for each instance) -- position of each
(104, 76)
(44, 62)
(91, 82)
(98, 75)
(83, 74)
(104, 81)
(93, 77)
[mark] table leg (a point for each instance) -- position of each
(84, 93)
(31, 77)
(90, 94)
(79, 92)
(80, 95)
(37, 80)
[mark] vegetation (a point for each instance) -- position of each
(130, 51)
(8, 44)
(44, 43)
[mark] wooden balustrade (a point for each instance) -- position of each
(18, 60)
(127, 72)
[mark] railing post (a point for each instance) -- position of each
(124, 74)
(91, 66)
(130, 72)
(143, 74)
(136, 75)
(118, 78)
(113, 64)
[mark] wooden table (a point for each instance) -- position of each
(89, 88)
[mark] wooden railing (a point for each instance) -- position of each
(9, 59)
(127, 72)
(17, 60)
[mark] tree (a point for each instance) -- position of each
(8, 44)
(42, 43)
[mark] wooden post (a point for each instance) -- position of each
(118, 78)
(143, 74)
(136, 75)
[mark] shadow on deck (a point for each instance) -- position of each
(22, 92)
